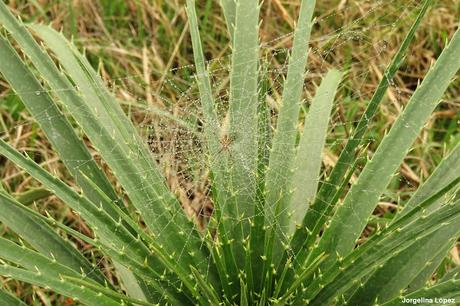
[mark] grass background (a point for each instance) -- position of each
(143, 52)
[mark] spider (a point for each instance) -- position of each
(225, 143)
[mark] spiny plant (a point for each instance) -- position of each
(276, 235)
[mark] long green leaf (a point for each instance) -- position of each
(70, 148)
(43, 238)
(217, 158)
(305, 273)
(34, 261)
(258, 231)
(445, 172)
(38, 101)
(305, 178)
(135, 287)
(284, 140)
(391, 232)
(229, 9)
(298, 259)
(112, 231)
(308, 162)
(113, 135)
(142, 270)
(110, 130)
(163, 290)
(67, 288)
(412, 267)
(351, 217)
(107, 292)
(374, 242)
(398, 272)
(323, 205)
(212, 127)
(243, 294)
(350, 270)
(207, 289)
(157, 249)
(427, 272)
(38, 263)
(243, 115)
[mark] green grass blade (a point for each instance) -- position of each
(103, 110)
(161, 254)
(142, 270)
(113, 234)
(304, 246)
(284, 139)
(298, 260)
(212, 128)
(8, 299)
(351, 217)
(298, 282)
(421, 209)
(43, 63)
(304, 181)
(229, 9)
(43, 238)
(447, 293)
(283, 150)
(136, 288)
(321, 206)
(243, 103)
(396, 227)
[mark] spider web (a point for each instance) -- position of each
(173, 128)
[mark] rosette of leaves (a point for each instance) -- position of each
(276, 235)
